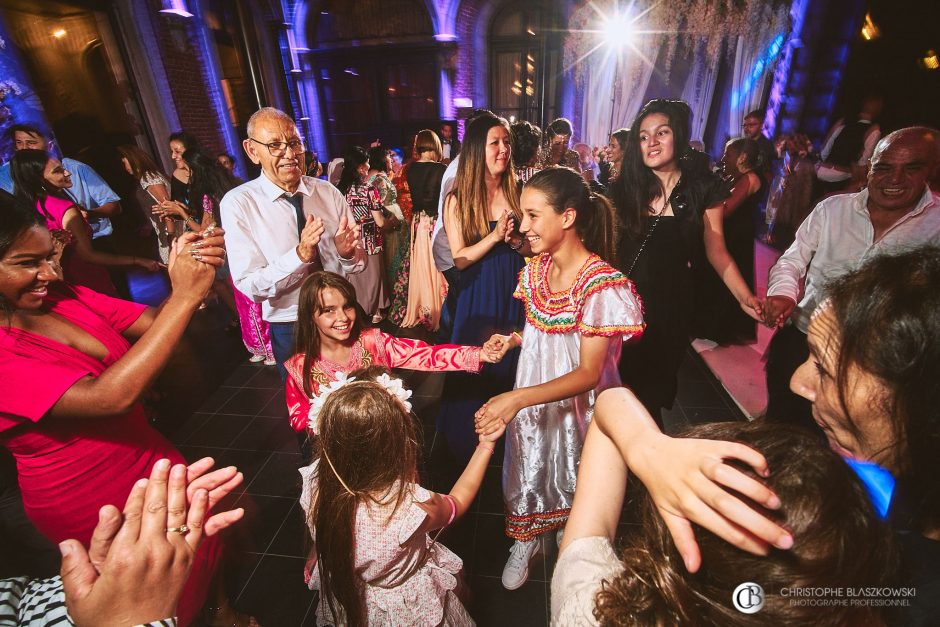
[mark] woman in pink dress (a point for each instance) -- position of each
(70, 383)
(42, 180)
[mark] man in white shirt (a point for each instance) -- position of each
(896, 211)
(278, 226)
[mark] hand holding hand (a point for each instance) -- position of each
(149, 265)
(495, 435)
(347, 238)
(310, 239)
(777, 309)
(754, 307)
(170, 209)
(499, 410)
(496, 348)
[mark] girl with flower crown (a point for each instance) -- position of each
(578, 310)
(331, 341)
(373, 559)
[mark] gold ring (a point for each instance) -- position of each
(182, 530)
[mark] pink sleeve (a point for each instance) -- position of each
(119, 313)
(21, 398)
(417, 355)
(298, 405)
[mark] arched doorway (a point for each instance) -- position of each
(377, 73)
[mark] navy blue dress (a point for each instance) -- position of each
(485, 306)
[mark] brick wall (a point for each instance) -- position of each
(185, 70)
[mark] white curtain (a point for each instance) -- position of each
(603, 79)
(699, 91)
(746, 91)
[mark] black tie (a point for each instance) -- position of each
(298, 201)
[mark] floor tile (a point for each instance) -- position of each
(266, 434)
(276, 593)
(494, 606)
(218, 430)
(279, 477)
(292, 539)
(247, 401)
(265, 377)
(264, 516)
(276, 405)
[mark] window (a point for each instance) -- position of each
(524, 61)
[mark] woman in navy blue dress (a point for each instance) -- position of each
(479, 218)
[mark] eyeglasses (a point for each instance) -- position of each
(277, 149)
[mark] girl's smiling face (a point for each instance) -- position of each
(543, 227)
(335, 316)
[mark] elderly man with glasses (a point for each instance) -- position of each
(283, 225)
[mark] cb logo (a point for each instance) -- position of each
(748, 598)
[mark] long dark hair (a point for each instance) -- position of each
(750, 150)
(16, 217)
(188, 140)
(309, 304)
(888, 312)
(378, 158)
(824, 506)
(367, 445)
(206, 178)
(637, 186)
(141, 163)
(27, 168)
(595, 222)
(353, 158)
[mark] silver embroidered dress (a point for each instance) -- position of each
(543, 443)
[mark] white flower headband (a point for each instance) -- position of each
(394, 387)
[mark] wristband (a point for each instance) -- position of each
(518, 335)
(453, 509)
(487, 448)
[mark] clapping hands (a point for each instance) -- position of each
(347, 238)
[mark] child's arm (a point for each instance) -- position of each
(298, 405)
(443, 510)
(503, 408)
(417, 355)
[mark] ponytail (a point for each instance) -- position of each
(595, 222)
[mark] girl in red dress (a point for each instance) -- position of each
(331, 340)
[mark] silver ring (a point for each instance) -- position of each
(182, 530)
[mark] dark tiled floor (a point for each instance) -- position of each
(244, 422)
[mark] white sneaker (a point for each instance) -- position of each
(517, 568)
(256, 358)
(558, 536)
(270, 361)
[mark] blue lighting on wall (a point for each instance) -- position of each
(763, 62)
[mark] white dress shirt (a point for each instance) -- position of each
(261, 239)
(440, 246)
(837, 237)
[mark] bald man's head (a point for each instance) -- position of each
(900, 167)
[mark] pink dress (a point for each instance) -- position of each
(374, 348)
(77, 271)
(409, 578)
(69, 468)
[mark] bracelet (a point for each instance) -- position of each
(519, 247)
(487, 448)
(453, 509)
(518, 335)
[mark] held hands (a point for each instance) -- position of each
(496, 348)
(754, 307)
(310, 238)
(137, 564)
(347, 238)
(777, 309)
(497, 412)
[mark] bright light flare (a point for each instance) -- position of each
(618, 30)
(58, 33)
